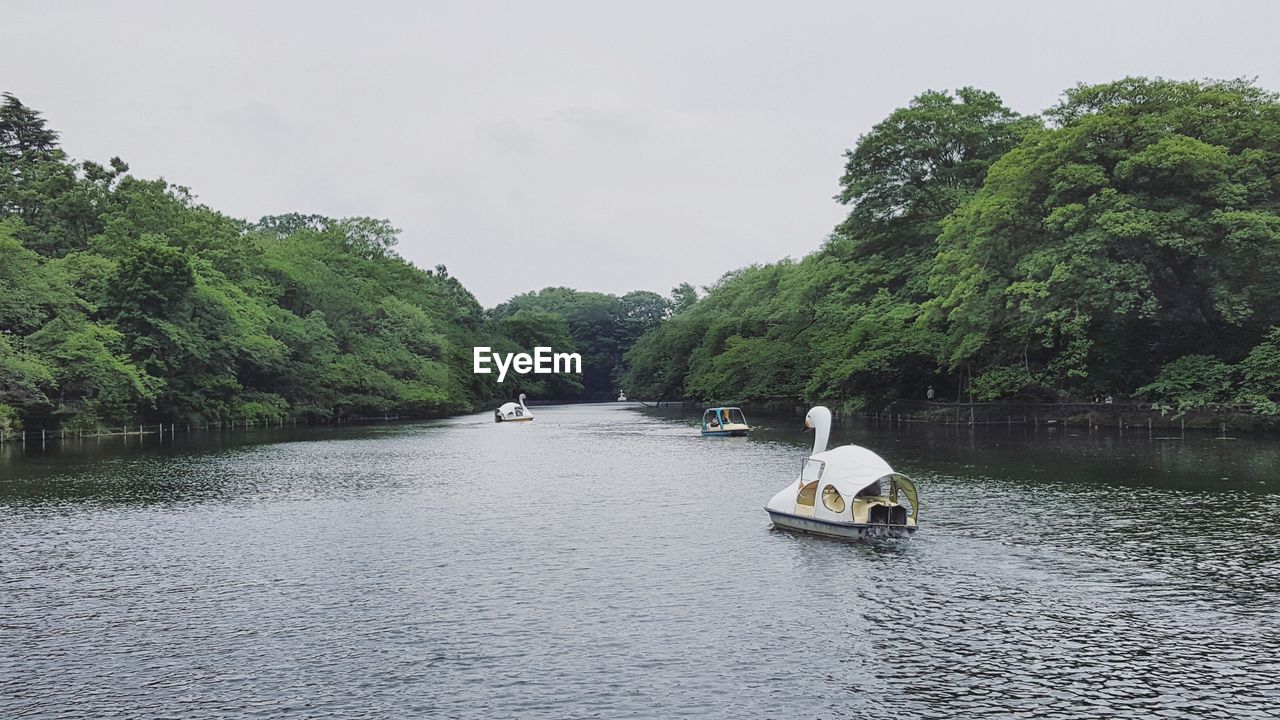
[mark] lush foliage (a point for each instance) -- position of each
(1128, 244)
(1125, 243)
(597, 326)
(124, 300)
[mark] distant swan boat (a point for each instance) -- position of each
(622, 397)
(846, 492)
(513, 412)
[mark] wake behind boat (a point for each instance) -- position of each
(847, 492)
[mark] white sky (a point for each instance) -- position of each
(602, 146)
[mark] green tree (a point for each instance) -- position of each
(912, 170)
(91, 371)
(601, 328)
(123, 298)
(683, 297)
(1143, 228)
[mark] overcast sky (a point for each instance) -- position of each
(602, 146)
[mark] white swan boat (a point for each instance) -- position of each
(513, 412)
(846, 492)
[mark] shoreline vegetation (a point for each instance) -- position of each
(1124, 244)
(45, 435)
(1049, 416)
(1065, 415)
(125, 301)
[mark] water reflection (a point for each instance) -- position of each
(607, 562)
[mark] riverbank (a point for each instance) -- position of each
(45, 435)
(1123, 416)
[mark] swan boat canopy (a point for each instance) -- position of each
(513, 412)
(724, 421)
(846, 492)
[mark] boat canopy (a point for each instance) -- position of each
(730, 415)
(851, 470)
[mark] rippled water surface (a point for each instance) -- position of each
(608, 562)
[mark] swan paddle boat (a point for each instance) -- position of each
(845, 492)
(622, 397)
(724, 422)
(512, 412)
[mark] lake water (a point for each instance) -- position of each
(608, 562)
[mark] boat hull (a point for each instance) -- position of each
(725, 433)
(844, 531)
(519, 419)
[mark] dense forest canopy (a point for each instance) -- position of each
(124, 300)
(599, 327)
(1126, 243)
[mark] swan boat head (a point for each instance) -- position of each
(818, 419)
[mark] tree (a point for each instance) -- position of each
(601, 327)
(89, 367)
(123, 298)
(1142, 227)
(915, 167)
(24, 136)
(843, 325)
(529, 328)
(683, 297)
(986, 252)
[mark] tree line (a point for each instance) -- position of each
(1124, 242)
(125, 300)
(600, 327)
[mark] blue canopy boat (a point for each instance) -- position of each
(724, 422)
